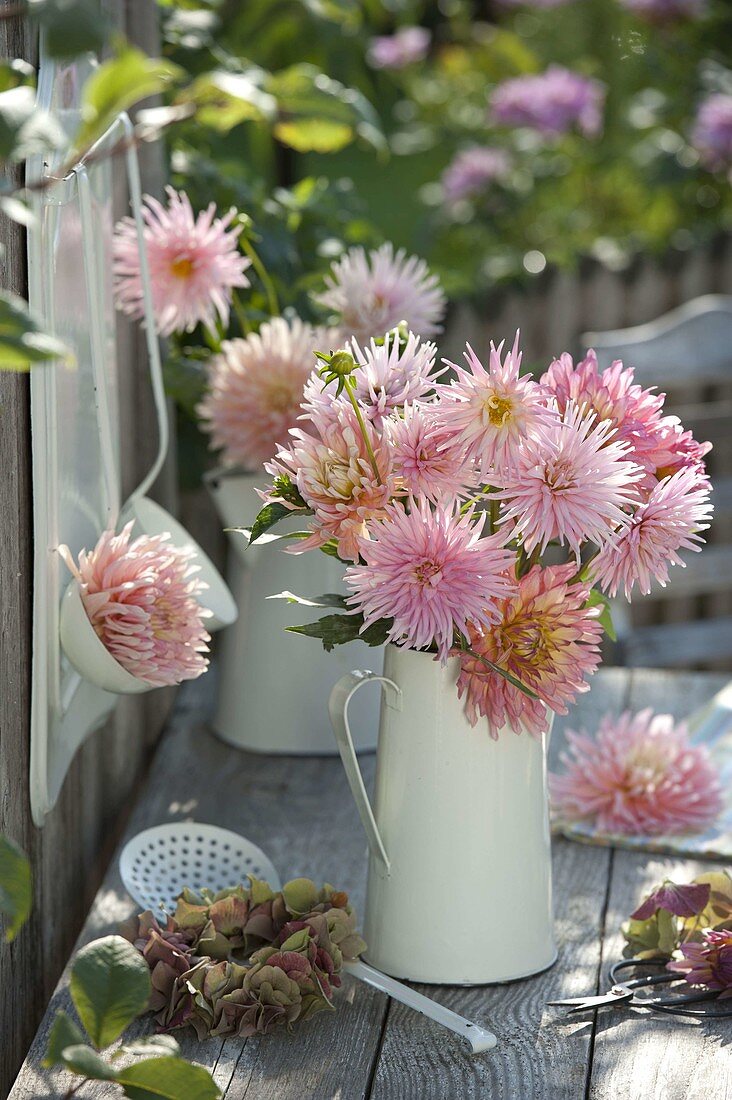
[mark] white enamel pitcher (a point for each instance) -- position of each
(459, 885)
(273, 685)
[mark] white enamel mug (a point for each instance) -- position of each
(459, 884)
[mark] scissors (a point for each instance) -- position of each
(624, 993)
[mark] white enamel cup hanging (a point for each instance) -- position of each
(274, 685)
(459, 884)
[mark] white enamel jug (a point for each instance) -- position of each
(459, 885)
(273, 686)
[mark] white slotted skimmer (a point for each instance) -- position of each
(157, 863)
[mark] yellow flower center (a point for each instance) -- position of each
(499, 409)
(425, 572)
(182, 268)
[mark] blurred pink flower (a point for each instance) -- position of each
(140, 597)
(493, 410)
(194, 264)
(395, 51)
(552, 102)
(639, 776)
(712, 133)
(670, 520)
(547, 638)
(333, 472)
(431, 572)
(472, 171)
(255, 387)
(572, 481)
(708, 964)
(373, 293)
(388, 375)
(661, 11)
(428, 459)
(613, 395)
(533, 3)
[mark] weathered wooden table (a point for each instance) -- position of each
(300, 812)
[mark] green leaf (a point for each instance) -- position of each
(110, 986)
(71, 27)
(118, 84)
(64, 1033)
(336, 630)
(85, 1061)
(605, 618)
(314, 135)
(272, 514)
(502, 672)
(25, 130)
(160, 1046)
(226, 99)
(330, 599)
(22, 343)
(15, 887)
(167, 1078)
(320, 114)
(14, 72)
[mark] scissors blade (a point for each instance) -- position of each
(619, 994)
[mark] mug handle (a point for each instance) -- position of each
(340, 697)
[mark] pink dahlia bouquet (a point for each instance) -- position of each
(483, 513)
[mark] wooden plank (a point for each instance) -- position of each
(536, 1059)
(672, 645)
(638, 1056)
(707, 571)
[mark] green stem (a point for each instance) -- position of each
(349, 388)
(240, 312)
(272, 303)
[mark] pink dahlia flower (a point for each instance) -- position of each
(396, 51)
(552, 102)
(388, 375)
(334, 474)
(194, 264)
(255, 387)
(669, 449)
(472, 171)
(373, 293)
(708, 965)
(639, 776)
(613, 395)
(492, 411)
(572, 481)
(712, 133)
(670, 520)
(431, 572)
(140, 597)
(547, 638)
(428, 459)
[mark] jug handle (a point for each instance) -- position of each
(340, 697)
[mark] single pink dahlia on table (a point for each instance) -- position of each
(545, 636)
(371, 293)
(671, 519)
(707, 964)
(255, 387)
(431, 573)
(194, 264)
(335, 475)
(140, 597)
(639, 776)
(492, 410)
(429, 460)
(572, 481)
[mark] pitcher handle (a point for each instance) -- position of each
(340, 697)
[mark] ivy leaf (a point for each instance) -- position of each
(330, 599)
(22, 342)
(167, 1078)
(605, 618)
(64, 1033)
(270, 515)
(110, 986)
(15, 887)
(85, 1061)
(118, 84)
(336, 630)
